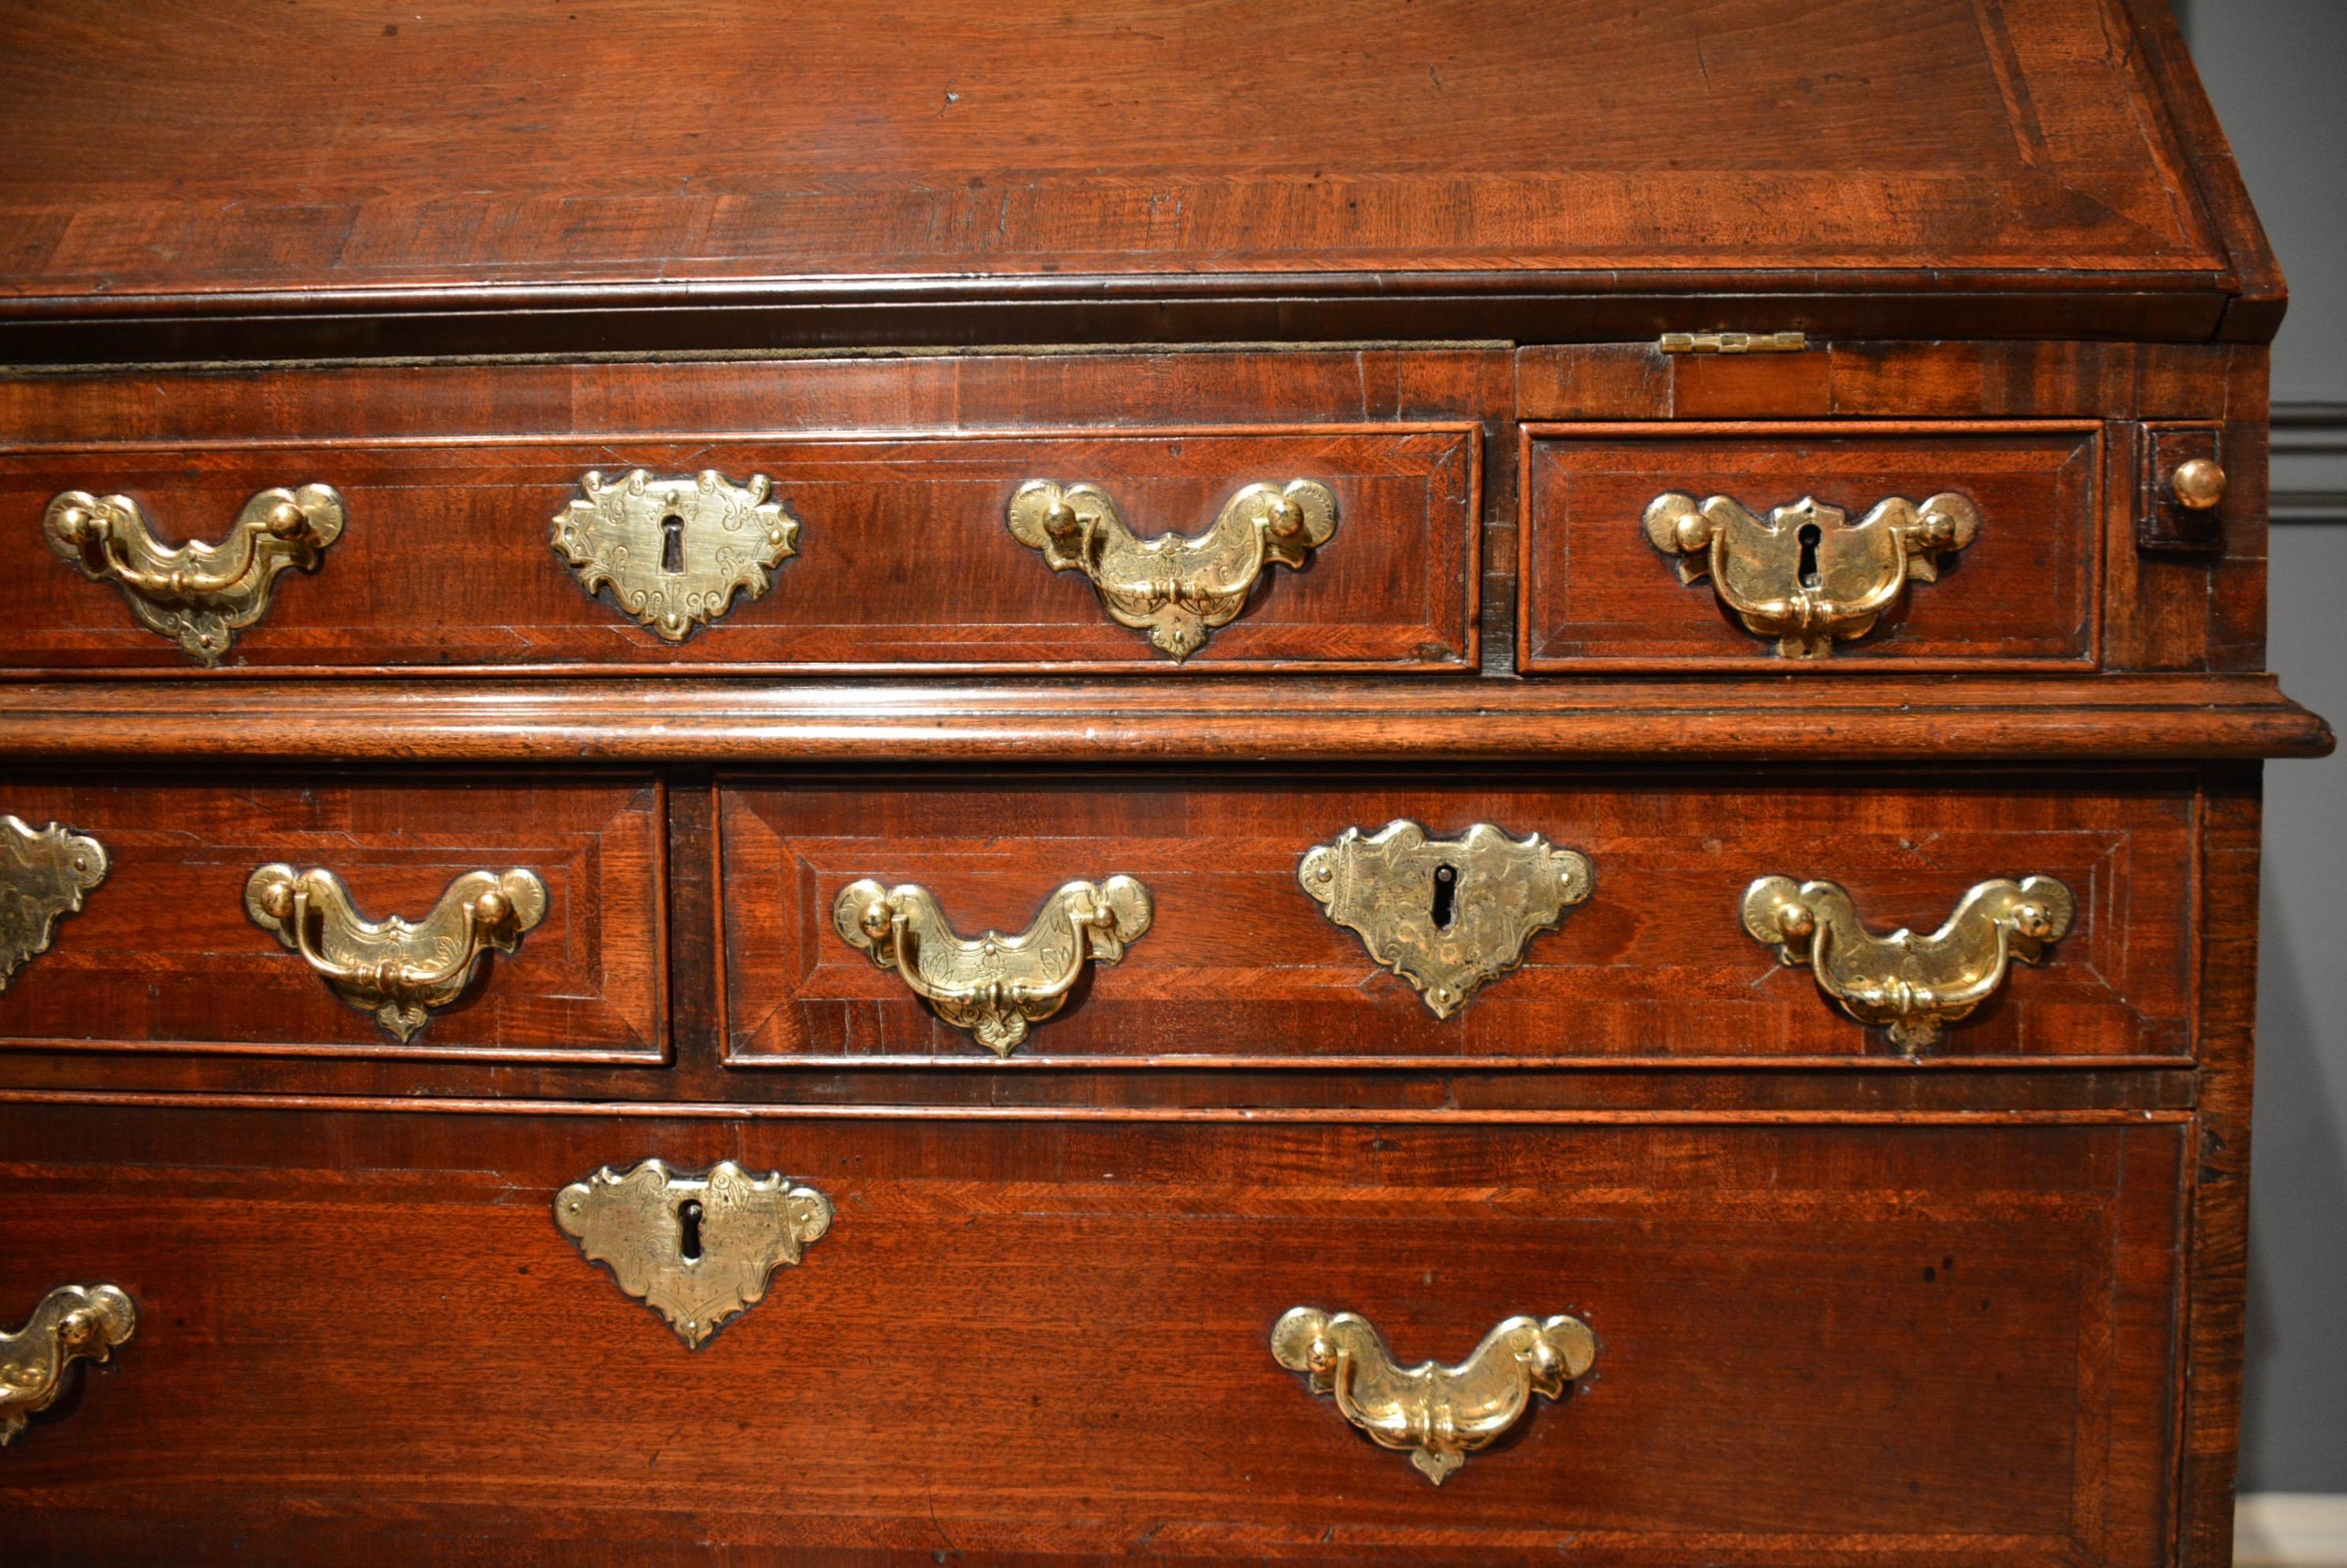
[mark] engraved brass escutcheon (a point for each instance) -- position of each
(1808, 576)
(1176, 587)
(44, 872)
(698, 1250)
(1448, 914)
(1438, 1415)
(199, 595)
(72, 1323)
(675, 552)
(994, 986)
(397, 970)
(1913, 986)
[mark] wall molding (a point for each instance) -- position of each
(2291, 1530)
(2310, 463)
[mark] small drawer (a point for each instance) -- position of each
(1920, 1343)
(1320, 547)
(194, 940)
(1649, 958)
(1812, 546)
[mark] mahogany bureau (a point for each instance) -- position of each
(1472, 782)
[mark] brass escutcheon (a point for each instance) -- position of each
(1448, 914)
(698, 1250)
(397, 970)
(1438, 1415)
(72, 1323)
(992, 985)
(1913, 986)
(675, 552)
(1809, 577)
(1177, 587)
(44, 872)
(199, 595)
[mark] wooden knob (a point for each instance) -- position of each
(2198, 484)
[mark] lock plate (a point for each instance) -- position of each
(675, 552)
(1448, 914)
(698, 1250)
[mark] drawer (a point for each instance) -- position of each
(1239, 963)
(1861, 1344)
(2004, 577)
(904, 552)
(170, 951)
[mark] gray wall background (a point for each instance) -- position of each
(2273, 68)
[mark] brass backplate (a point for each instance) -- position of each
(1807, 575)
(72, 1323)
(1911, 985)
(1177, 587)
(44, 872)
(1436, 1414)
(993, 985)
(395, 968)
(675, 552)
(698, 1250)
(1448, 914)
(199, 595)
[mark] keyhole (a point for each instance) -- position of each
(672, 544)
(1445, 893)
(688, 1225)
(1809, 535)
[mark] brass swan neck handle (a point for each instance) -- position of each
(1913, 985)
(1808, 576)
(993, 985)
(397, 970)
(199, 595)
(72, 1323)
(1436, 1414)
(1176, 587)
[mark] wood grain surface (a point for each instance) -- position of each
(1890, 1345)
(1338, 162)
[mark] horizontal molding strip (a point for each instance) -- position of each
(696, 1109)
(1794, 718)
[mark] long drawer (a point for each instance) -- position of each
(650, 550)
(1598, 918)
(1856, 1344)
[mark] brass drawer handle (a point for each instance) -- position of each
(1913, 986)
(1176, 587)
(698, 1250)
(1809, 577)
(72, 1322)
(199, 595)
(675, 552)
(992, 985)
(1438, 1415)
(1448, 914)
(44, 874)
(397, 970)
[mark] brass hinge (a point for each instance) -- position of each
(1735, 342)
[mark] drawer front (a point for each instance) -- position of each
(904, 553)
(167, 952)
(1862, 1343)
(1238, 962)
(2020, 593)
